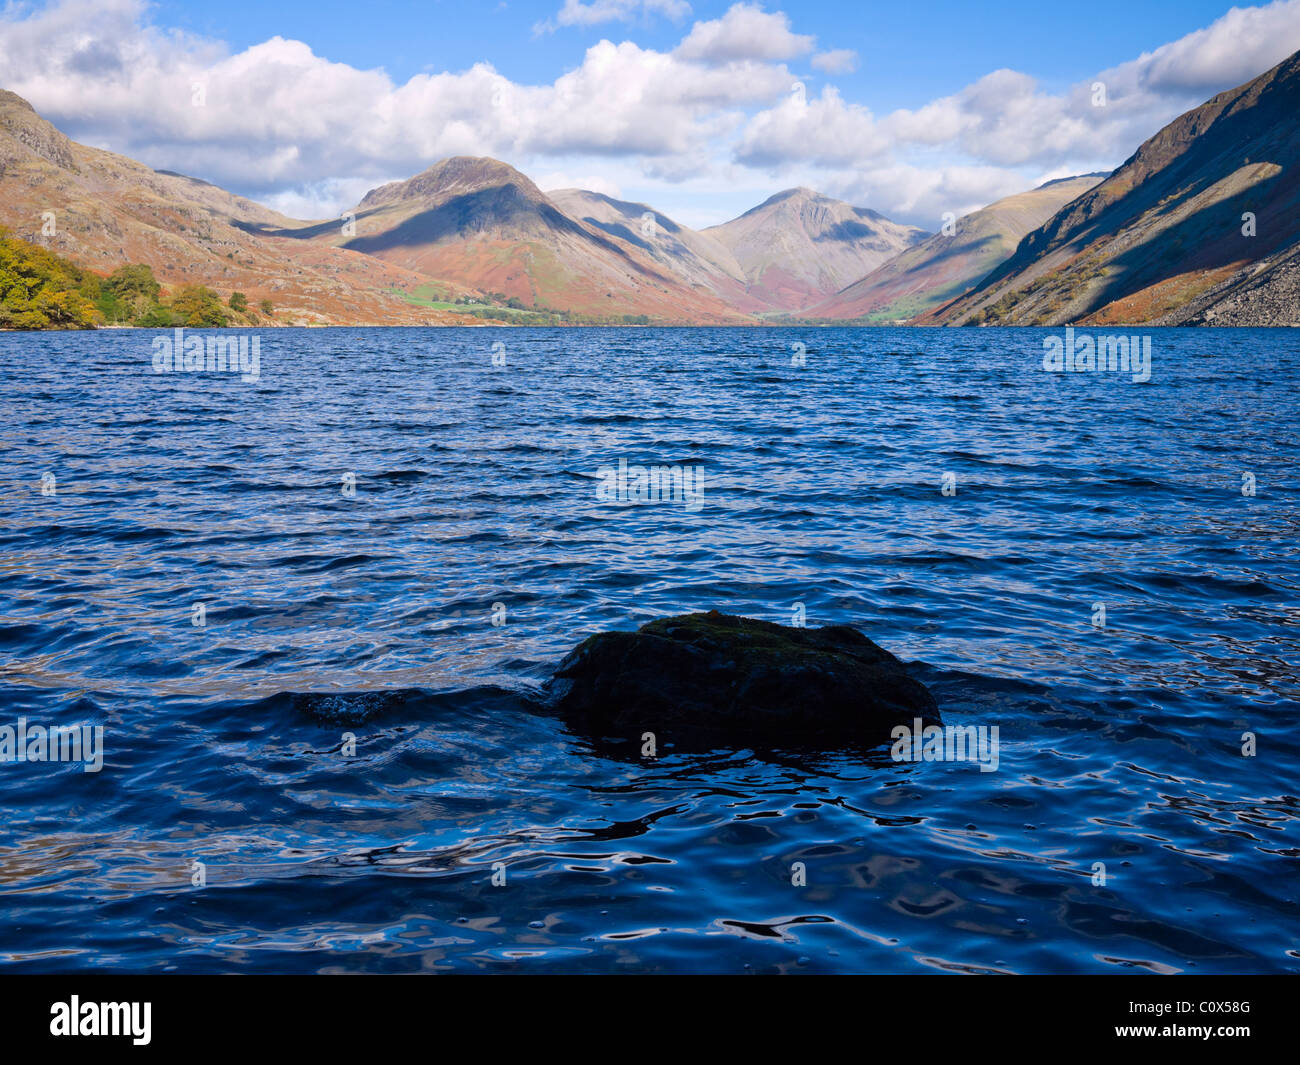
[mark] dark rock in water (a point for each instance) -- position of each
(738, 679)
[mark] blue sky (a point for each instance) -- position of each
(911, 51)
(701, 109)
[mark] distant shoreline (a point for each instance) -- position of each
(1109, 327)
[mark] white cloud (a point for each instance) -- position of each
(577, 13)
(721, 113)
(324, 199)
(1235, 48)
(836, 61)
(276, 116)
(922, 195)
(745, 32)
(1003, 118)
(1006, 119)
(555, 180)
(825, 131)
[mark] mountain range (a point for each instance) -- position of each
(106, 210)
(1201, 225)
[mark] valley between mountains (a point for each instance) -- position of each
(1200, 226)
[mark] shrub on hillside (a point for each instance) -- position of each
(197, 306)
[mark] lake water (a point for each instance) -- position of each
(391, 535)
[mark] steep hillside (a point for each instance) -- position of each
(107, 210)
(1265, 293)
(1214, 191)
(944, 266)
(696, 258)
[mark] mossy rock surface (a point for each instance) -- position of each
(738, 679)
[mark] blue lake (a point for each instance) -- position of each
(396, 534)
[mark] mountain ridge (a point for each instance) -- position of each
(942, 266)
(108, 211)
(1167, 225)
(1199, 225)
(486, 225)
(799, 247)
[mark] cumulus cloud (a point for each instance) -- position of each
(1007, 119)
(1234, 49)
(555, 180)
(324, 199)
(577, 13)
(836, 61)
(277, 114)
(722, 111)
(825, 131)
(923, 195)
(745, 32)
(1004, 118)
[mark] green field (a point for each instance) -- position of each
(435, 298)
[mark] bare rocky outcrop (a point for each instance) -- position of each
(737, 680)
(19, 119)
(1263, 294)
